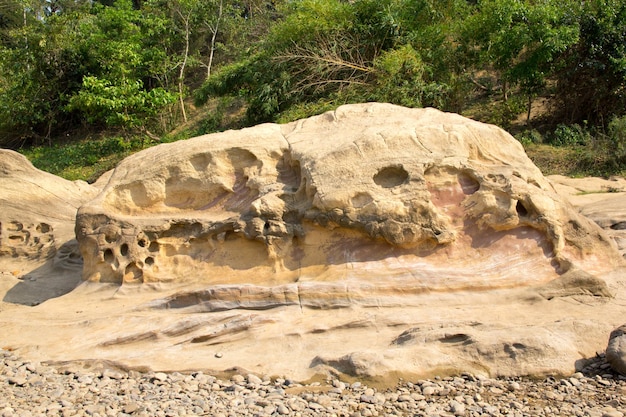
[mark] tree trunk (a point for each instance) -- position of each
(214, 31)
(505, 91)
(181, 74)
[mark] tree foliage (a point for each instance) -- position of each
(123, 82)
(67, 64)
(127, 64)
(347, 51)
(591, 84)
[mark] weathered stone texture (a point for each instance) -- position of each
(38, 209)
(371, 192)
(373, 242)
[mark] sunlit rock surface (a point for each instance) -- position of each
(37, 215)
(616, 350)
(363, 204)
(601, 200)
(38, 209)
(374, 242)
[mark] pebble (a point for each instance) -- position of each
(28, 389)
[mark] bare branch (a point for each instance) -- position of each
(329, 62)
(333, 61)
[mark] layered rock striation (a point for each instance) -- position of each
(38, 209)
(362, 203)
(373, 242)
(37, 220)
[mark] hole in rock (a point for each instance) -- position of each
(361, 200)
(187, 192)
(406, 336)
(43, 228)
(240, 157)
(133, 273)
(291, 217)
(124, 249)
(154, 247)
(455, 338)
(142, 243)
(619, 226)
(110, 237)
(468, 184)
(16, 238)
(289, 173)
(201, 162)
(266, 226)
(521, 209)
(108, 256)
(390, 177)
(514, 350)
(149, 261)
(201, 339)
(15, 226)
(183, 230)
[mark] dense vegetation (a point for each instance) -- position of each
(82, 79)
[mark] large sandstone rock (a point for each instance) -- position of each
(601, 200)
(373, 242)
(371, 199)
(37, 219)
(38, 209)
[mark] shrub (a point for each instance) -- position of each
(530, 137)
(570, 135)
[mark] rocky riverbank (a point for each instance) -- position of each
(34, 389)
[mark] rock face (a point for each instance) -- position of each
(616, 350)
(38, 209)
(362, 203)
(601, 200)
(371, 243)
(37, 229)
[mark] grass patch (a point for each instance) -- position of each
(574, 161)
(552, 160)
(84, 160)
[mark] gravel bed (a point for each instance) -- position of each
(34, 389)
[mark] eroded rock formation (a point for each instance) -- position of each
(370, 199)
(37, 219)
(370, 242)
(38, 209)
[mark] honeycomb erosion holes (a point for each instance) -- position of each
(30, 240)
(368, 195)
(282, 250)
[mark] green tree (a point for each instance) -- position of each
(71, 63)
(403, 78)
(11, 16)
(125, 82)
(591, 81)
(40, 65)
(521, 40)
(199, 30)
(332, 50)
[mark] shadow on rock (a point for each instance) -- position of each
(57, 277)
